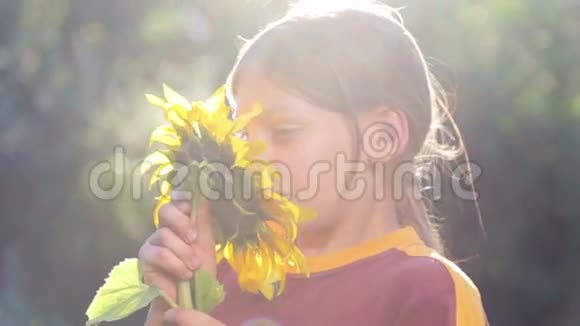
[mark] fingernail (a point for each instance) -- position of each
(191, 236)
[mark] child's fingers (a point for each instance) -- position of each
(183, 206)
(165, 237)
(204, 246)
(202, 221)
(163, 259)
(171, 217)
(182, 200)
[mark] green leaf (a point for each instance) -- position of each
(207, 291)
(121, 295)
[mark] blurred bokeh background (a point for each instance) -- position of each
(72, 79)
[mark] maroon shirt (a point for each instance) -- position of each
(395, 280)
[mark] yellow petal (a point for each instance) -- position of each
(276, 229)
(194, 114)
(160, 173)
(261, 263)
(282, 285)
(165, 188)
(228, 253)
(175, 119)
(157, 101)
(165, 135)
(255, 148)
(278, 272)
(266, 179)
(181, 111)
(241, 162)
(216, 103)
(242, 121)
(298, 262)
(155, 158)
(249, 275)
(292, 211)
(292, 228)
(173, 97)
(160, 202)
(219, 253)
(275, 267)
(238, 145)
(221, 130)
(239, 148)
(267, 291)
(278, 237)
(247, 279)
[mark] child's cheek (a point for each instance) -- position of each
(310, 175)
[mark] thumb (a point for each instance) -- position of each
(202, 221)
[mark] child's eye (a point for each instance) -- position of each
(286, 129)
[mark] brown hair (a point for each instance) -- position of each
(356, 57)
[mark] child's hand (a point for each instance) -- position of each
(188, 317)
(175, 251)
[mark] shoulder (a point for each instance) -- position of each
(436, 291)
(426, 269)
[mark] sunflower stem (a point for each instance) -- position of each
(184, 291)
(184, 295)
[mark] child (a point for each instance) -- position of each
(330, 81)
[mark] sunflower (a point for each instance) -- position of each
(255, 227)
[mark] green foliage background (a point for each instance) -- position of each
(72, 79)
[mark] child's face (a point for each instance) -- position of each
(304, 138)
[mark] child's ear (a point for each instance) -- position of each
(384, 134)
